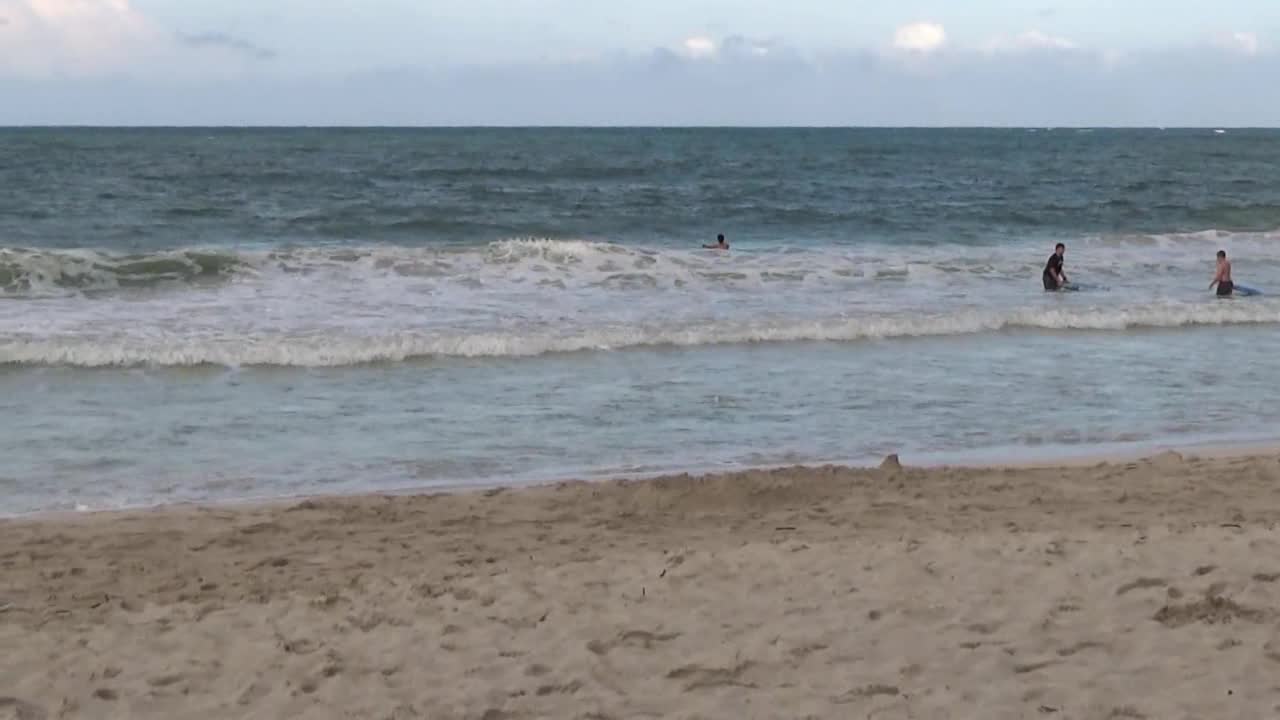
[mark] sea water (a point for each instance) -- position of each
(212, 314)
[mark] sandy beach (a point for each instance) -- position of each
(1144, 589)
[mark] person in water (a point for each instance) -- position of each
(1222, 278)
(1054, 278)
(721, 244)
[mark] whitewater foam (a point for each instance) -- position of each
(584, 263)
(343, 349)
(334, 306)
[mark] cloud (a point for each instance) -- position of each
(44, 37)
(737, 45)
(699, 46)
(98, 38)
(709, 80)
(703, 47)
(1245, 43)
(1029, 41)
(1185, 86)
(227, 42)
(922, 37)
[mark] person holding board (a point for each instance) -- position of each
(1053, 275)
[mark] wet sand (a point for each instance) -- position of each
(1143, 589)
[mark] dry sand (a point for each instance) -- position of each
(1144, 589)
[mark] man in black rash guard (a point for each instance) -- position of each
(1054, 278)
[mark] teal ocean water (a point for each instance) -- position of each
(209, 314)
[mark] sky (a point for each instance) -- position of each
(658, 62)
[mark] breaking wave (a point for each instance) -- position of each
(553, 262)
(336, 306)
(341, 350)
(24, 271)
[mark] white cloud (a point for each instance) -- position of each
(1191, 85)
(96, 38)
(1245, 43)
(78, 37)
(733, 48)
(923, 37)
(1029, 40)
(737, 46)
(700, 46)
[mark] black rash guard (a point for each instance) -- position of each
(1052, 269)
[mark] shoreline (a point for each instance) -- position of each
(996, 458)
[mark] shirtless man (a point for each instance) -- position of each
(721, 244)
(1222, 278)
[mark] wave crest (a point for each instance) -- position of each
(26, 271)
(343, 350)
(581, 263)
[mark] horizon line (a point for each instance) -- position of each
(485, 126)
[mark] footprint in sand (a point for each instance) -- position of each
(865, 692)
(568, 688)
(805, 651)
(1079, 647)
(1032, 667)
(252, 694)
(16, 709)
(983, 628)
(699, 677)
(1213, 609)
(166, 680)
(1140, 584)
(631, 638)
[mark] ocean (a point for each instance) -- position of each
(233, 314)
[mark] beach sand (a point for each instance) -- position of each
(1144, 589)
